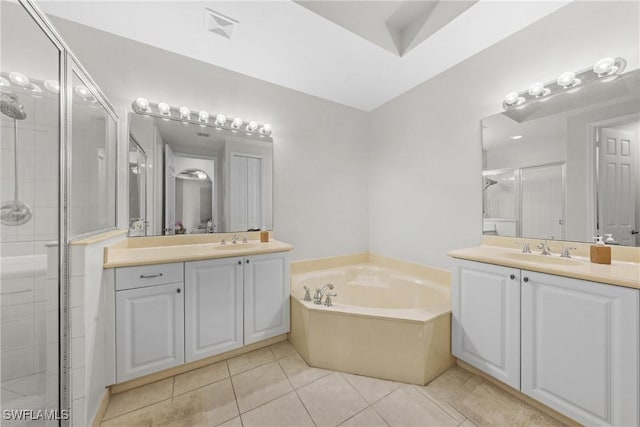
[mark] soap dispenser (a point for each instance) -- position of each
(600, 253)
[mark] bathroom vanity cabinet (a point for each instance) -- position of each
(170, 314)
(485, 301)
(570, 344)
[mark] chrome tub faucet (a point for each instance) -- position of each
(317, 297)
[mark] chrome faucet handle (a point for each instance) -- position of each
(234, 240)
(222, 242)
(244, 240)
(545, 248)
(526, 249)
(565, 251)
(327, 300)
(307, 295)
(317, 297)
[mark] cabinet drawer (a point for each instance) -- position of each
(148, 275)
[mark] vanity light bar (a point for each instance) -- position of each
(202, 118)
(605, 70)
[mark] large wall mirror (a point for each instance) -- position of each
(567, 168)
(189, 179)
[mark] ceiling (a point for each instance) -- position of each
(357, 53)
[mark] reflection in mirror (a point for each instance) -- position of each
(137, 189)
(566, 168)
(202, 180)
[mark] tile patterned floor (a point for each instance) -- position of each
(274, 387)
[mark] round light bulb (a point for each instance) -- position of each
(164, 109)
(82, 92)
(220, 120)
(567, 79)
(265, 130)
(203, 116)
(185, 113)
(142, 103)
(537, 89)
(18, 79)
(251, 127)
(512, 98)
(236, 123)
(52, 86)
(605, 66)
(4, 83)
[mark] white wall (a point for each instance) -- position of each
(425, 145)
(320, 161)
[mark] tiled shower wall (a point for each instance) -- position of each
(29, 283)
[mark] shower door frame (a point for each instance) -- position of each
(68, 64)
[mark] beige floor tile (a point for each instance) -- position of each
(367, 418)
(217, 401)
(445, 389)
(468, 423)
(488, 405)
(298, 372)
(372, 389)
(282, 349)
(260, 385)
(285, 411)
(251, 360)
(408, 407)
(235, 422)
(331, 400)
(200, 377)
(139, 397)
(162, 414)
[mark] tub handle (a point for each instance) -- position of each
(327, 300)
(307, 295)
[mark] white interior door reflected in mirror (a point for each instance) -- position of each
(618, 175)
(169, 191)
(246, 192)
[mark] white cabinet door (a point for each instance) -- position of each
(213, 307)
(580, 348)
(266, 296)
(149, 330)
(485, 305)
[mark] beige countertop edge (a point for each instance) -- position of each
(96, 238)
(138, 257)
(614, 274)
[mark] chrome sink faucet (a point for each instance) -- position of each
(526, 249)
(317, 297)
(546, 250)
(565, 252)
(234, 240)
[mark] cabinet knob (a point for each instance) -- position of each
(239, 262)
(526, 279)
(178, 290)
(247, 261)
(512, 277)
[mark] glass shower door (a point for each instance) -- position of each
(29, 231)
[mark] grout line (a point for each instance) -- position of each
(305, 407)
(439, 405)
(134, 410)
(360, 411)
(380, 415)
(233, 388)
(378, 400)
(202, 386)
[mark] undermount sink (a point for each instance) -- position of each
(235, 246)
(542, 259)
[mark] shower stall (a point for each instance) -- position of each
(51, 113)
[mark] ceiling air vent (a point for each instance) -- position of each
(219, 24)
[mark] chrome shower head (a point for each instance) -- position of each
(11, 107)
(488, 182)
